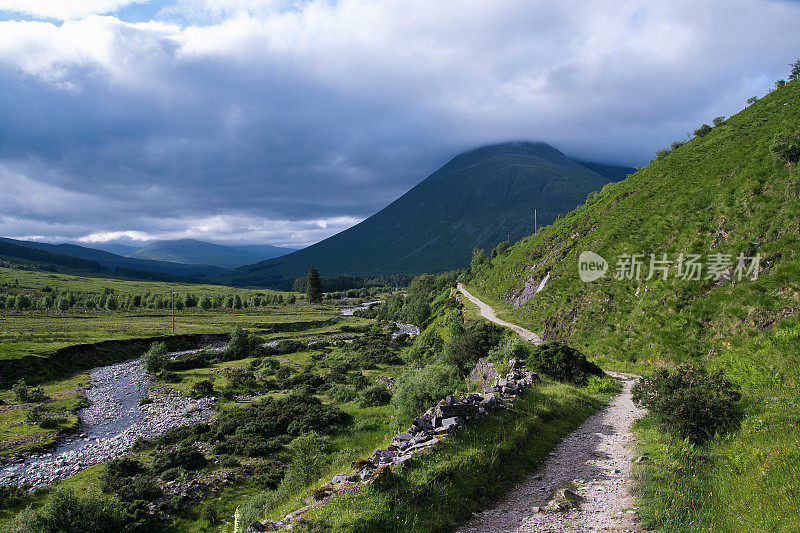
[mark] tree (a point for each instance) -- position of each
(314, 286)
(205, 303)
(752, 100)
(795, 70)
(718, 121)
(237, 302)
(702, 130)
(155, 358)
(478, 259)
(780, 83)
(786, 146)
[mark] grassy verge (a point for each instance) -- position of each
(438, 489)
(747, 481)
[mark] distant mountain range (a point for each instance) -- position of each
(116, 262)
(478, 199)
(193, 252)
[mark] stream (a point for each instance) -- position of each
(110, 425)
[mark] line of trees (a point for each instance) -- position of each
(64, 301)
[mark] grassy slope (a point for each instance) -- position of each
(722, 193)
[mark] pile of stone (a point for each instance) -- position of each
(386, 381)
(447, 416)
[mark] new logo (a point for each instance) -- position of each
(591, 266)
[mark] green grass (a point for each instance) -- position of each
(720, 193)
(440, 488)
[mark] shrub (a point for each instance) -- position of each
(251, 430)
(419, 388)
(374, 395)
(66, 512)
(202, 388)
(692, 402)
(240, 344)
(20, 390)
(510, 349)
(340, 393)
(184, 455)
(786, 146)
(36, 394)
(155, 359)
(718, 121)
(145, 401)
(702, 130)
(563, 363)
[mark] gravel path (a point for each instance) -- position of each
(593, 462)
(488, 313)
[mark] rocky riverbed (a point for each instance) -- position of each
(110, 425)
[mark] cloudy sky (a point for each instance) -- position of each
(283, 122)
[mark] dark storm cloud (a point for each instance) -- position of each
(264, 121)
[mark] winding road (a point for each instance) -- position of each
(594, 462)
(488, 313)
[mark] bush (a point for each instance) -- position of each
(36, 394)
(374, 395)
(20, 390)
(251, 430)
(510, 349)
(202, 388)
(241, 343)
(419, 388)
(702, 130)
(340, 393)
(145, 401)
(66, 512)
(690, 401)
(786, 146)
(562, 362)
(184, 455)
(155, 359)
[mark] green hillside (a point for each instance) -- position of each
(193, 252)
(720, 193)
(478, 199)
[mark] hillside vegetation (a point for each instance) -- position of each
(723, 192)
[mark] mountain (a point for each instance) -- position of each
(193, 252)
(115, 262)
(478, 199)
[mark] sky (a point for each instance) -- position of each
(283, 122)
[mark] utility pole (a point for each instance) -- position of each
(174, 294)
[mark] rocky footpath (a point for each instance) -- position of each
(110, 425)
(426, 431)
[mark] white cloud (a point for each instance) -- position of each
(64, 9)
